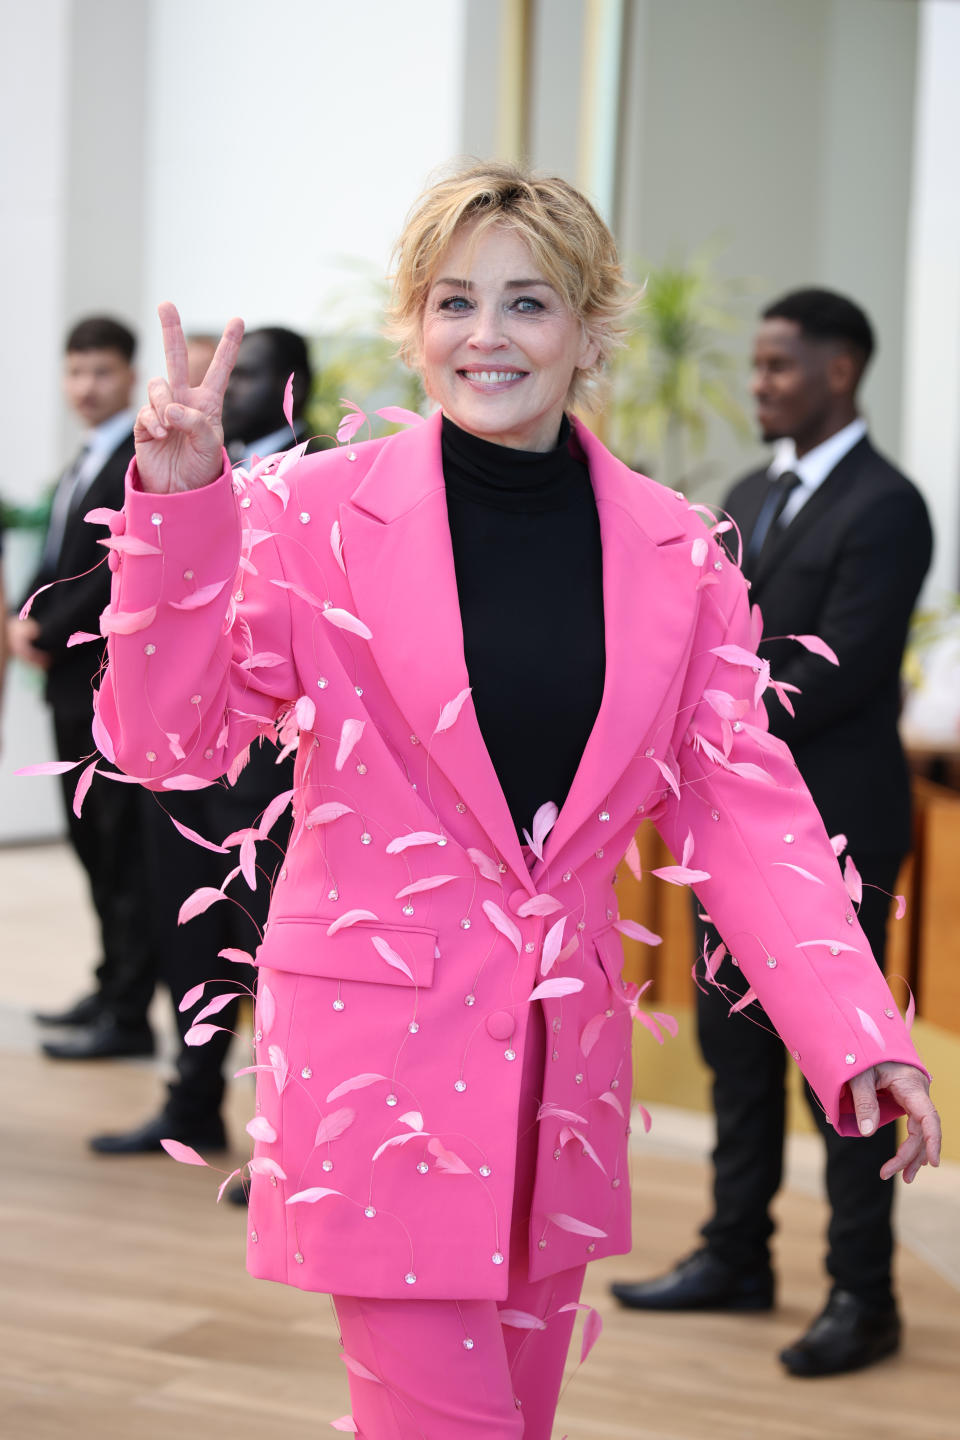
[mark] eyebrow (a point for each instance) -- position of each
(510, 284)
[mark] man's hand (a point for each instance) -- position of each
(910, 1088)
(21, 635)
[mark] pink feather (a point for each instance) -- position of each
(350, 917)
(350, 733)
(632, 859)
(487, 867)
(591, 1032)
(184, 1153)
(415, 837)
(551, 946)
(680, 875)
(872, 1029)
(816, 646)
(266, 1007)
(397, 415)
(343, 620)
(288, 400)
(325, 814)
(126, 622)
(450, 711)
(347, 1423)
(204, 596)
(852, 881)
(539, 905)
(554, 989)
(263, 1165)
(635, 931)
(430, 882)
(520, 1320)
(743, 1002)
(609, 1097)
(261, 1129)
(356, 1082)
(386, 952)
(218, 1003)
(83, 785)
(191, 996)
(199, 901)
(448, 1162)
(311, 1196)
(359, 1369)
(503, 923)
(80, 637)
(332, 1126)
(49, 767)
(201, 1034)
(273, 812)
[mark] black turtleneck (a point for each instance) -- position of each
(526, 547)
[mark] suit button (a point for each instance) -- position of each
(501, 1024)
(118, 524)
(517, 898)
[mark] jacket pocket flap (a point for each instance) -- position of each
(378, 954)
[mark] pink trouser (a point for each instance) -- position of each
(449, 1369)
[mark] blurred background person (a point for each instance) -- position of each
(99, 380)
(253, 418)
(200, 348)
(836, 544)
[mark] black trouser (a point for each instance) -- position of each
(189, 953)
(748, 1064)
(108, 839)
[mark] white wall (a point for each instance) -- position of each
(284, 138)
(931, 394)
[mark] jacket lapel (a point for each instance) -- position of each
(649, 602)
(399, 560)
(825, 495)
(400, 568)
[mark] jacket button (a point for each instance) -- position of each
(501, 1024)
(517, 898)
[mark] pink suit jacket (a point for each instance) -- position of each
(407, 933)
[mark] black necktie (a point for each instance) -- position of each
(770, 511)
(64, 504)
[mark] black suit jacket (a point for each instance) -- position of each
(848, 568)
(76, 604)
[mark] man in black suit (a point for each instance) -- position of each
(98, 381)
(254, 424)
(836, 544)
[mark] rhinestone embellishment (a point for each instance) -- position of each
(464, 923)
(339, 1005)
(327, 1166)
(567, 877)
(366, 838)
(467, 1343)
(497, 1258)
(789, 839)
(156, 518)
(369, 1211)
(150, 649)
(304, 517)
(413, 1027)
(509, 1054)
(410, 1278)
(391, 1100)
(603, 816)
(333, 893)
(771, 962)
(469, 999)
(850, 1059)
(151, 755)
(322, 683)
(422, 1167)
(460, 1086)
(484, 1170)
(298, 1257)
(408, 909)
(306, 1073)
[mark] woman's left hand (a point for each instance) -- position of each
(910, 1088)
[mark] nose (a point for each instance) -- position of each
(487, 330)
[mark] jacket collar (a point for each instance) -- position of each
(400, 568)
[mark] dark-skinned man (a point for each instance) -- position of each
(836, 544)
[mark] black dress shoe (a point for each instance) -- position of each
(145, 1140)
(700, 1282)
(848, 1334)
(105, 1040)
(85, 1012)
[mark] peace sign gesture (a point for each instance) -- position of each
(179, 432)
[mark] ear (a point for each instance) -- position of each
(589, 351)
(843, 373)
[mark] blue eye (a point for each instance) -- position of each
(456, 303)
(527, 305)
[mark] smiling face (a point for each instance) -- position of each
(804, 388)
(499, 346)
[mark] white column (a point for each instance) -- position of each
(931, 402)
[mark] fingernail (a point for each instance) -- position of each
(174, 412)
(866, 1127)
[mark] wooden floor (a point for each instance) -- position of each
(126, 1314)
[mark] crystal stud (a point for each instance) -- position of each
(413, 1027)
(850, 1059)
(497, 1258)
(298, 1257)
(509, 1054)
(306, 1073)
(465, 923)
(410, 1278)
(460, 1086)
(327, 1166)
(366, 838)
(391, 1100)
(422, 1167)
(150, 649)
(304, 517)
(468, 1343)
(469, 999)
(603, 816)
(408, 909)
(156, 518)
(339, 1005)
(369, 1211)
(484, 1170)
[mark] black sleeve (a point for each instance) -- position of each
(864, 617)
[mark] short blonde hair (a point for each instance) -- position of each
(568, 240)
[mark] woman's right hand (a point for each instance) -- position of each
(179, 432)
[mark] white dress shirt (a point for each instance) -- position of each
(814, 467)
